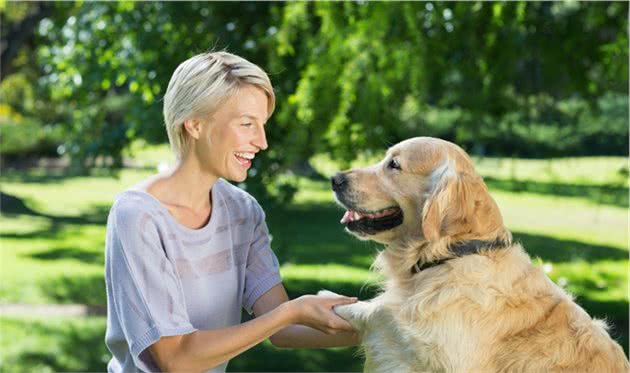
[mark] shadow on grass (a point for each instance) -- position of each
(306, 234)
(311, 234)
(14, 205)
(43, 175)
(616, 315)
(268, 358)
(77, 347)
(556, 250)
(55, 227)
(70, 346)
(91, 290)
(81, 289)
(59, 346)
(615, 195)
(365, 291)
(88, 257)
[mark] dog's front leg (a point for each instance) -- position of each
(357, 314)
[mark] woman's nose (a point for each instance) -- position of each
(261, 139)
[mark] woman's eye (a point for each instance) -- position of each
(246, 124)
(393, 164)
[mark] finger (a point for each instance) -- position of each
(345, 300)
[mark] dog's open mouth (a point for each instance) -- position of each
(373, 222)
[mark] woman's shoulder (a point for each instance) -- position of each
(233, 192)
(134, 204)
(237, 197)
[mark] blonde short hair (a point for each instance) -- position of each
(202, 83)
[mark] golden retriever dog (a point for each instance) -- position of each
(459, 295)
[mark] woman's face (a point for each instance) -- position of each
(232, 137)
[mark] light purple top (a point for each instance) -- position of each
(165, 279)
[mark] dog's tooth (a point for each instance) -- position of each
(346, 217)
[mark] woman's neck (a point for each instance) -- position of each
(186, 185)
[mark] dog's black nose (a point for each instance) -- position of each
(339, 181)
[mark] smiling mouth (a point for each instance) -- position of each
(244, 158)
(372, 222)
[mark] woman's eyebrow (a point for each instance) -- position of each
(253, 117)
(249, 116)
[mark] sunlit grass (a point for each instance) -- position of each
(327, 273)
(575, 170)
(52, 240)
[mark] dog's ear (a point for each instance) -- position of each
(459, 205)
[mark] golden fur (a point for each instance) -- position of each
(492, 312)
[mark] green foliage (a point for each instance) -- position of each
(19, 137)
(504, 78)
(469, 72)
(22, 131)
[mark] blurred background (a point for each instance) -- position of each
(537, 92)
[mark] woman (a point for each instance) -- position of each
(186, 251)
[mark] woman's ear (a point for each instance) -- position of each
(193, 128)
(454, 206)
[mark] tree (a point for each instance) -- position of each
(514, 78)
(374, 73)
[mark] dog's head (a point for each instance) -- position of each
(425, 189)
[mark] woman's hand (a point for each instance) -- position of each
(317, 312)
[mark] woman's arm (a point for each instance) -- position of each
(204, 349)
(300, 335)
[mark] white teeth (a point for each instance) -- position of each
(350, 215)
(246, 155)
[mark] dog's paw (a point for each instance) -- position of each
(327, 293)
(356, 313)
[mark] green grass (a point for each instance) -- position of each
(63, 344)
(52, 236)
(52, 345)
(52, 231)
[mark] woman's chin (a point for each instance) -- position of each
(237, 177)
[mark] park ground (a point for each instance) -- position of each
(571, 214)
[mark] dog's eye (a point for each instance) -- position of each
(393, 164)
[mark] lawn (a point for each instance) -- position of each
(570, 214)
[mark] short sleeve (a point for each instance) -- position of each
(262, 271)
(142, 284)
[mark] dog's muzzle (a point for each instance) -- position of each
(361, 221)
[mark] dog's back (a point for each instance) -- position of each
(556, 336)
(490, 313)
